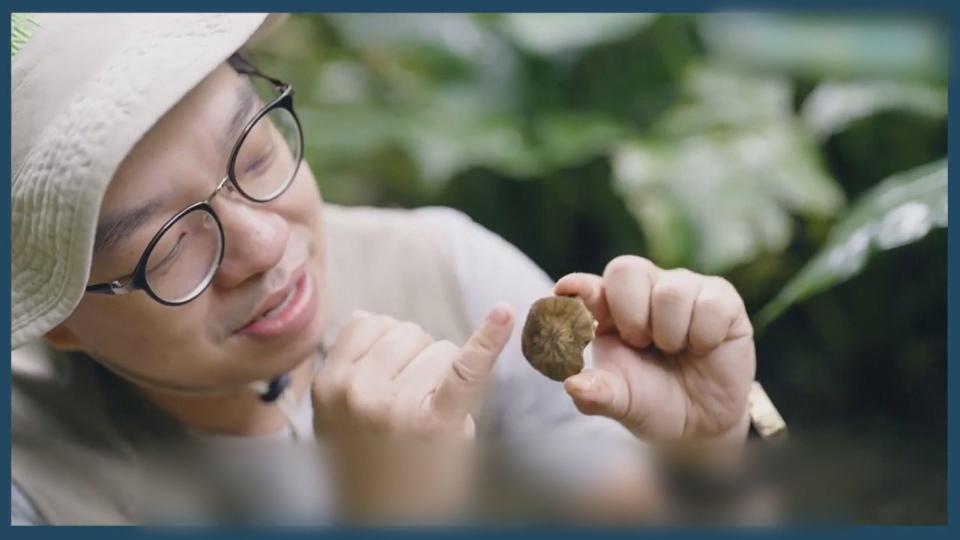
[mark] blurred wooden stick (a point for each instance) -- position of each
(764, 415)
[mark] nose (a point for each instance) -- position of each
(255, 238)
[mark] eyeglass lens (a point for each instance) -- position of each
(184, 260)
(268, 156)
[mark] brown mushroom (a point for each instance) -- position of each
(555, 334)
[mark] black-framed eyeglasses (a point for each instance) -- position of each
(183, 257)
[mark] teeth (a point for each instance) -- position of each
(282, 305)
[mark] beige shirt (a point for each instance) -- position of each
(541, 440)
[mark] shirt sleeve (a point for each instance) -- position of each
(532, 421)
(22, 511)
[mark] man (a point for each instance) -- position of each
(196, 298)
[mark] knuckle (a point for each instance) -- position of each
(723, 283)
(385, 319)
(731, 298)
(444, 348)
(713, 305)
(728, 289)
(364, 403)
(426, 338)
(414, 331)
(669, 291)
(408, 327)
(483, 344)
(368, 319)
(359, 319)
(688, 276)
(625, 264)
(465, 372)
(383, 323)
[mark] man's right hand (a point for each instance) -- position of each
(393, 406)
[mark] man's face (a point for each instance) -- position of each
(272, 256)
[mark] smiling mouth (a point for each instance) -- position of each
(272, 312)
(275, 303)
(296, 309)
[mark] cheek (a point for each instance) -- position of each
(303, 197)
(132, 328)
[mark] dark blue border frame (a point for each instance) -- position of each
(948, 8)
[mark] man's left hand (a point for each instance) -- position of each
(674, 355)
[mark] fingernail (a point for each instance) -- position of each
(499, 316)
(581, 384)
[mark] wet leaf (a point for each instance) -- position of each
(900, 210)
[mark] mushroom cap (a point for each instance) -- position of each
(554, 336)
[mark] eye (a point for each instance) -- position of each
(261, 162)
(171, 256)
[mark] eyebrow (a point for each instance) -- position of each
(114, 228)
(246, 99)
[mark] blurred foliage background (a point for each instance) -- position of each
(802, 156)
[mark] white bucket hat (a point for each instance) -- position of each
(85, 88)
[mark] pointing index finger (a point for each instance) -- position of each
(461, 387)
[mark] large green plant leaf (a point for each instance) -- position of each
(891, 45)
(900, 210)
(835, 104)
(728, 168)
(442, 89)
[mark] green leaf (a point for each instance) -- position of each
(447, 141)
(719, 98)
(854, 45)
(22, 26)
(900, 210)
(554, 33)
(453, 33)
(729, 169)
(833, 105)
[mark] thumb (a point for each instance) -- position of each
(599, 392)
(463, 383)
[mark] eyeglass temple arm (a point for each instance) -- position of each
(113, 288)
(101, 288)
(244, 67)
